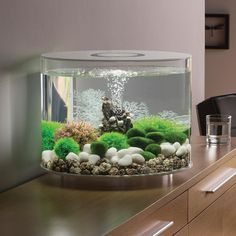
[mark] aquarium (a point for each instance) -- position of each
(116, 113)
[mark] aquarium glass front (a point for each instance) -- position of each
(116, 113)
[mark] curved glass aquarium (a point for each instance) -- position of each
(116, 113)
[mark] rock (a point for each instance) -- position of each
(87, 148)
(48, 155)
(134, 150)
(104, 168)
(115, 159)
(122, 153)
(176, 145)
(188, 146)
(83, 156)
(186, 141)
(137, 158)
(75, 170)
(167, 149)
(93, 159)
(125, 161)
(181, 151)
(120, 123)
(72, 156)
(111, 152)
(112, 119)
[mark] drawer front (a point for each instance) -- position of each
(166, 220)
(205, 192)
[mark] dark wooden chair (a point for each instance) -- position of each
(224, 104)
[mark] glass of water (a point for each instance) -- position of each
(218, 129)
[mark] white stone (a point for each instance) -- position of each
(83, 156)
(72, 156)
(186, 141)
(122, 153)
(87, 148)
(134, 150)
(165, 143)
(111, 152)
(125, 161)
(138, 158)
(93, 159)
(120, 122)
(47, 156)
(181, 151)
(115, 159)
(176, 145)
(112, 119)
(167, 150)
(53, 156)
(188, 146)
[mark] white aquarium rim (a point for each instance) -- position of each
(116, 55)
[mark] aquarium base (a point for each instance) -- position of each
(107, 182)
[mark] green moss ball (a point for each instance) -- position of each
(115, 139)
(151, 129)
(175, 136)
(140, 142)
(134, 132)
(64, 146)
(147, 155)
(153, 148)
(156, 136)
(187, 132)
(99, 148)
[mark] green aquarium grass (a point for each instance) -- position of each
(48, 129)
(158, 124)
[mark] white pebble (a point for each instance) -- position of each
(120, 122)
(83, 156)
(186, 141)
(87, 148)
(53, 156)
(138, 158)
(115, 159)
(167, 149)
(125, 161)
(177, 145)
(188, 146)
(134, 150)
(112, 119)
(122, 153)
(111, 152)
(72, 156)
(181, 151)
(47, 156)
(93, 159)
(165, 143)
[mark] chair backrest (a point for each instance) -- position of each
(224, 104)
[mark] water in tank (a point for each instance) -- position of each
(116, 113)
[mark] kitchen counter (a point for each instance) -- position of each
(48, 206)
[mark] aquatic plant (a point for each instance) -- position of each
(147, 155)
(162, 125)
(81, 132)
(114, 139)
(150, 129)
(169, 115)
(140, 142)
(133, 132)
(99, 148)
(153, 148)
(64, 146)
(137, 110)
(156, 136)
(88, 106)
(48, 129)
(175, 136)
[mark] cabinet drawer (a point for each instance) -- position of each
(166, 220)
(205, 192)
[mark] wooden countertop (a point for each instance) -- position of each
(45, 206)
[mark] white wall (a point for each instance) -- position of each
(220, 64)
(31, 27)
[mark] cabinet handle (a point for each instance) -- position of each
(162, 226)
(228, 175)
